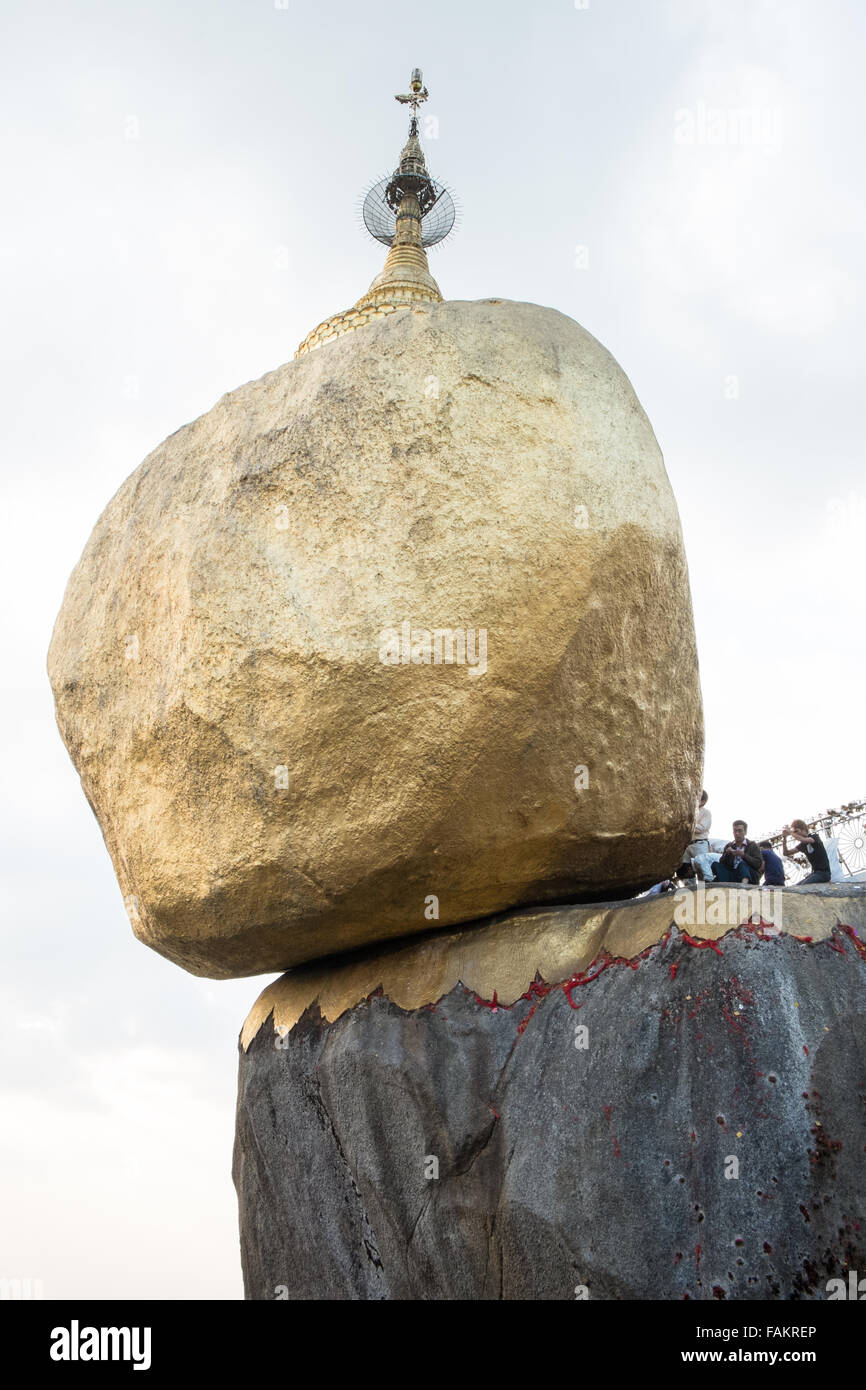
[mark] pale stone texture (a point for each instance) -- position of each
(225, 621)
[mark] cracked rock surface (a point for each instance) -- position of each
(704, 1137)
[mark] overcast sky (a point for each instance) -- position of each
(683, 177)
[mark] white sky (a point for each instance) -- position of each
(143, 277)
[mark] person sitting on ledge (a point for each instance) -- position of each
(741, 860)
(700, 844)
(667, 885)
(774, 869)
(810, 844)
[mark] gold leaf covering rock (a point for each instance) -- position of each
(397, 637)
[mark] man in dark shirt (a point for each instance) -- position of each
(811, 845)
(774, 869)
(741, 860)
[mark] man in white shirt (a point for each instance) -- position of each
(700, 844)
(703, 819)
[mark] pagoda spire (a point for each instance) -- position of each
(399, 207)
(406, 275)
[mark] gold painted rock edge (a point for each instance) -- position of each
(505, 955)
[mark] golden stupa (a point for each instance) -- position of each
(405, 278)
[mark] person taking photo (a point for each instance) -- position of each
(810, 844)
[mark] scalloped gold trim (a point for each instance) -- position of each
(505, 954)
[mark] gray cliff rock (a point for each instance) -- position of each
(704, 1138)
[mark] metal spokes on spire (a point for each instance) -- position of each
(437, 219)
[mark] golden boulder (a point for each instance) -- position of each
(395, 638)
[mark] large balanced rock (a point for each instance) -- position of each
(398, 636)
(663, 1114)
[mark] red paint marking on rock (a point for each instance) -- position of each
(702, 945)
(858, 945)
(608, 1110)
(524, 1021)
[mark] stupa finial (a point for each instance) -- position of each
(407, 212)
(417, 93)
